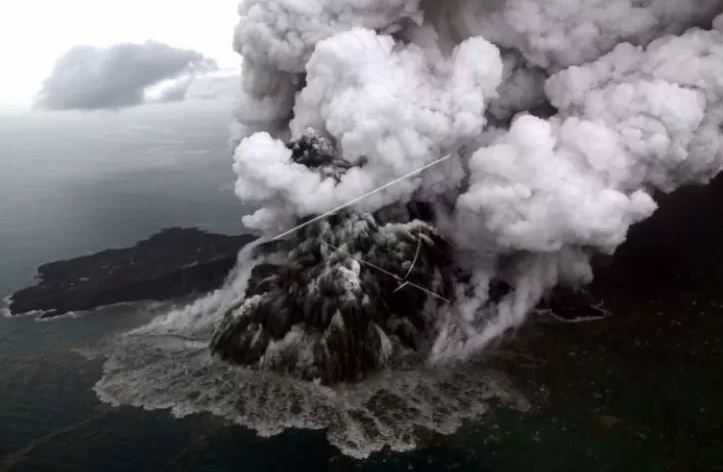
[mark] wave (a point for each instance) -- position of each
(167, 364)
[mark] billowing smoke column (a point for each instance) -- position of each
(563, 118)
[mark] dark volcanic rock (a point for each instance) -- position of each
(335, 305)
(342, 297)
(320, 154)
(172, 263)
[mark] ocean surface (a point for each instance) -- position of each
(614, 396)
(73, 184)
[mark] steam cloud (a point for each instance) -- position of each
(563, 119)
(567, 116)
(122, 75)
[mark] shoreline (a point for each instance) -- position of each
(173, 263)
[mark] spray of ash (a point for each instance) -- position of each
(563, 117)
(567, 117)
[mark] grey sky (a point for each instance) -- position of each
(35, 33)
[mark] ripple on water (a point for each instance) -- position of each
(167, 365)
(390, 409)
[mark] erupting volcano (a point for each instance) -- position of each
(562, 125)
(499, 146)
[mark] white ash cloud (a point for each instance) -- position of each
(558, 33)
(635, 120)
(283, 34)
(276, 39)
(123, 75)
(628, 101)
(522, 88)
(634, 94)
(392, 106)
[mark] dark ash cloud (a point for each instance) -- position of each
(89, 78)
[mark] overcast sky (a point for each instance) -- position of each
(35, 33)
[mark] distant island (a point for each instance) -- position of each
(678, 250)
(173, 263)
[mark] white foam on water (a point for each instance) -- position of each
(167, 365)
(5, 307)
(71, 315)
(147, 306)
(37, 314)
(386, 410)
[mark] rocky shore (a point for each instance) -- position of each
(173, 263)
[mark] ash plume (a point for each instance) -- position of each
(544, 130)
(562, 120)
(566, 117)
